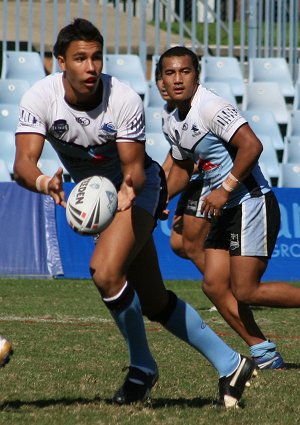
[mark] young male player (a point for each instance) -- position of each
(96, 125)
(208, 131)
(190, 228)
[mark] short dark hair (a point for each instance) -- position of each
(79, 29)
(180, 51)
(157, 73)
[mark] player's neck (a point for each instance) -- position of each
(84, 102)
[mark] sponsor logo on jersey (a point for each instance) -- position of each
(234, 241)
(27, 118)
(207, 165)
(226, 117)
(195, 130)
(59, 128)
(185, 126)
(84, 121)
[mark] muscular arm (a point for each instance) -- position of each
(132, 157)
(179, 176)
(248, 150)
(28, 151)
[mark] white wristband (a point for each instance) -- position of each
(42, 183)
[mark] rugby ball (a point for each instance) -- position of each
(91, 205)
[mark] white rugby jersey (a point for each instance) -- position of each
(204, 137)
(84, 140)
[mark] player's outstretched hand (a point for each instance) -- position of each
(55, 188)
(126, 194)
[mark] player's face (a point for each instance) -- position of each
(82, 66)
(179, 78)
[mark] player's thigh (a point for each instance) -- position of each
(246, 273)
(145, 276)
(217, 271)
(119, 244)
(195, 230)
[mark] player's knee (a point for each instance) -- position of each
(164, 315)
(243, 295)
(103, 278)
(209, 289)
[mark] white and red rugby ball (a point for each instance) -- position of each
(92, 205)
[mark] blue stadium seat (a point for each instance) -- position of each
(153, 119)
(48, 166)
(7, 148)
(157, 146)
(293, 124)
(223, 90)
(127, 68)
(154, 61)
(11, 90)
(269, 157)
(266, 96)
(152, 95)
(264, 123)
(296, 102)
(272, 69)
(49, 153)
(291, 151)
(4, 172)
(223, 69)
(9, 115)
(289, 175)
(22, 65)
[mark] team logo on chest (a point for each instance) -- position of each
(59, 128)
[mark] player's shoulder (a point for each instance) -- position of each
(45, 88)
(209, 104)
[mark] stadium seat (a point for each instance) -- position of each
(223, 69)
(291, 151)
(289, 175)
(272, 69)
(22, 65)
(49, 153)
(152, 95)
(266, 97)
(154, 61)
(11, 90)
(223, 90)
(4, 172)
(296, 102)
(153, 119)
(9, 115)
(48, 166)
(263, 122)
(157, 146)
(293, 124)
(269, 157)
(7, 148)
(127, 68)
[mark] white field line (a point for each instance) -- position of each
(45, 319)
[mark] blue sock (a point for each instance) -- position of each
(264, 349)
(131, 324)
(187, 324)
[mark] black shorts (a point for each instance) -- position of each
(249, 229)
(189, 202)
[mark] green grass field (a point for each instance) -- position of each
(69, 357)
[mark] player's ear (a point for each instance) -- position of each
(61, 62)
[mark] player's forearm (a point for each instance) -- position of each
(26, 173)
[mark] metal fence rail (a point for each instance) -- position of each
(245, 28)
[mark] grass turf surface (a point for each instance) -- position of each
(69, 357)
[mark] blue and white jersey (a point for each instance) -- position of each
(86, 141)
(204, 137)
